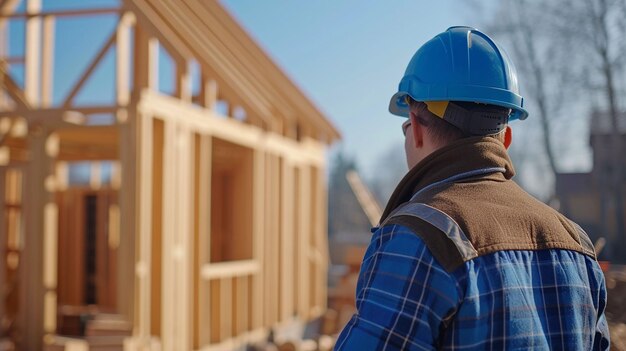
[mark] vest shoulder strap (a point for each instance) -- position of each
(442, 235)
(445, 238)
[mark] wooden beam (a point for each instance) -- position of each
(47, 61)
(32, 261)
(208, 92)
(245, 49)
(258, 239)
(287, 236)
(3, 238)
(222, 270)
(55, 116)
(89, 70)
(183, 82)
(32, 67)
(206, 121)
(13, 89)
(146, 65)
(204, 153)
(66, 13)
(144, 222)
(227, 79)
(182, 251)
(122, 66)
(126, 273)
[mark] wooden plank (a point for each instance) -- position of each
(321, 233)
(227, 30)
(4, 237)
(287, 241)
(183, 81)
(222, 270)
(232, 83)
(126, 276)
(14, 91)
(208, 92)
(205, 208)
(146, 64)
(226, 308)
(168, 218)
(50, 237)
(259, 238)
(144, 228)
(47, 59)
(183, 234)
(215, 312)
(32, 257)
(122, 58)
(202, 240)
(65, 13)
(205, 121)
(32, 66)
(305, 244)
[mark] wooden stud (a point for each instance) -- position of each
(146, 66)
(47, 61)
(122, 45)
(287, 240)
(226, 308)
(202, 195)
(4, 237)
(259, 239)
(32, 67)
(144, 229)
(305, 247)
(32, 258)
(66, 13)
(208, 92)
(183, 82)
(169, 220)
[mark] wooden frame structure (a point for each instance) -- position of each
(216, 229)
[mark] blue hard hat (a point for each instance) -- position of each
(460, 64)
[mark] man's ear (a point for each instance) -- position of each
(417, 130)
(508, 137)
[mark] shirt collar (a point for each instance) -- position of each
(461, 156)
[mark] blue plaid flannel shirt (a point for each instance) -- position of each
(530, 300)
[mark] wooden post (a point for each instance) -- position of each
(3, 240)
(146, 61)
(259, 238)
(169, 222)
(144, 225)
(208, 92)
(40, 234)
(183, 234)
(305, 240)
(203, 239)
(32, 73)
(47, 61)
(183, 81)
(126, 182)
(287, 240)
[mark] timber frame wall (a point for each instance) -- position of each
(219, 227)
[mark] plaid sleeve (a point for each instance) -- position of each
(404, 297)
(602, 339)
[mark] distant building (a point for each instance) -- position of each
(587, 197)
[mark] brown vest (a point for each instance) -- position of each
(480, 212)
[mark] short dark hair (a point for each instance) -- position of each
(440, 130)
